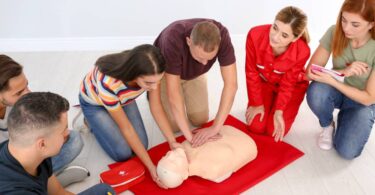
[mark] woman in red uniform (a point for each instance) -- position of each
(275, 58)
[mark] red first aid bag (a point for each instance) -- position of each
(124, 175)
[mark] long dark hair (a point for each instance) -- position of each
(128, 65)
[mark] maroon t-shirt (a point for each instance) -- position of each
(173, 46)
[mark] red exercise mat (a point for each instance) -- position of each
(271, 157)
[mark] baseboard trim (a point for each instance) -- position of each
(82, 43)
(72, 44)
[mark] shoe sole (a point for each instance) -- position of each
(78, 167)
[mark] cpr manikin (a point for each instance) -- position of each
(214, 161)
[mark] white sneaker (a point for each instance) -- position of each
(72, 174)
(79, 122)
(325, 137)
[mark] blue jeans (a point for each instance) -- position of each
(354, 121)
(99, 189)
(69, 151)
(107, 132)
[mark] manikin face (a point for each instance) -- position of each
(198, 53)
(18, 86)
(149, 82)
(354, 26)
(281, 35)
(173, 168)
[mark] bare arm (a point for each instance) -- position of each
(55, 188)
(159, 115)
(127, 130)
(176, 103)
(320, 57)
(365, 97)
(229, 75)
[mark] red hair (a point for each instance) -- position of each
(365, 8)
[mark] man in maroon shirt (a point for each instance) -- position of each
(190, 48)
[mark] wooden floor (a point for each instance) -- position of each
(317, 172)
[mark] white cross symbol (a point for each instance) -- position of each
(122, 173)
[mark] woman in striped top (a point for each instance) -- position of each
(107, 97)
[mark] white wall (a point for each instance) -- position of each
(34, 25)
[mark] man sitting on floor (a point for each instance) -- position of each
(38, 128)
(13, 85)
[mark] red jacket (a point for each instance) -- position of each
(281, 73)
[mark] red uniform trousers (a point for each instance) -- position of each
(269, 95)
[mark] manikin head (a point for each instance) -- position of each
(173, 168)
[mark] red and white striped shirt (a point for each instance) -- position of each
(100, 89)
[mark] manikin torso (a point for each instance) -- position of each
(214, 161)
